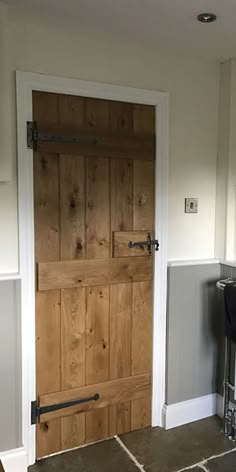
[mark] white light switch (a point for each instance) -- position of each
(191, 205)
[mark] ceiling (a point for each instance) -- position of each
(169, 25)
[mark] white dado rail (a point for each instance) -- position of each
(192, 262)
(6, 277)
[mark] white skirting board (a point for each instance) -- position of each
(191, 410)
(15, 460)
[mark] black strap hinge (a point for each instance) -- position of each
(37, 410)
(32, 135)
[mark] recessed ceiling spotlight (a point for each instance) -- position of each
(206, 17)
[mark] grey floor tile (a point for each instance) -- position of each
(226, 463)
(169, 451)
(105, 456)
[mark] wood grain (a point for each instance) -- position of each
(48, 348)
(143, 188)
(96, 113)
(141, 413)
(97, 208)
(45, 108)
(144, 118)
(97, 425)
(121, 116)
(120, 243)
(120, 330)
(143, 195)
(98, 246)
(119, 418)
(72, 207)
(72, 338)
(142, 315)
(47, 248)
(71, 111)
(97, 335)
(72, 431)
(111, 392)
(69, 274)
(46, 207)
(48, 437)
(121, 195)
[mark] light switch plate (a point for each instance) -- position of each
(191, 205)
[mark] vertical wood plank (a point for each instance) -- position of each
(96, 113)
(144, 118)
(71, 110)
(97, 208)
(73, 246)
(72, 199)
(144, 121)
(73, 338)
(143, 195)
(120, 330)
(142, 327)
(98, 246)
(72, 431)
(48, 355)
(46, 207)
(97, 335)
(97, 425)
(45, 107)
(119, 418)
(47, 248)
(121, 195)
(48, 438)
(121, 115)
(140, 413)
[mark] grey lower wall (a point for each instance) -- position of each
(10, 366)
(192, 332)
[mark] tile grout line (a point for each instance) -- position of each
(202, 463)
(203, 467)
(131, 456)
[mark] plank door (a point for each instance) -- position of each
(93, 292)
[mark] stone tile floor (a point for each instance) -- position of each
(199, 446)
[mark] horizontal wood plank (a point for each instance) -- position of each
(97, 143)
(111, 393)
(121, 240)
(88, 273)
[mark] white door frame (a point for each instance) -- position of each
(26, 82)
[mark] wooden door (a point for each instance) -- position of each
(93, 292)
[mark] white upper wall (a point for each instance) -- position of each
(193, 86)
